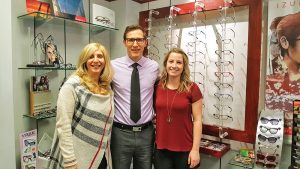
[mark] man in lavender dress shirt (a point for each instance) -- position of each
(133, 140)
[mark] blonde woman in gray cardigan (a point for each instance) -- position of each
(85, 113)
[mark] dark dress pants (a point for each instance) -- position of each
(128, 145)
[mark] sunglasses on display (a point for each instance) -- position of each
(297, 129)
(264, 129)
(265, 164)
(270, 139)
(265, 156)
(272, 121)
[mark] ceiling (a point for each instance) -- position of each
(139, 1)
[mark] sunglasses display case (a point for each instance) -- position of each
(269, 139)
(295, 153)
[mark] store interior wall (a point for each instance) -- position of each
(7, 127)
(14, 92)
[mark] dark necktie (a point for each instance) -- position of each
(135, 98)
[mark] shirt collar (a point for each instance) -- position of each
(140, 62)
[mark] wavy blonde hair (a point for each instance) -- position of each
(185, 81)
(103, 86)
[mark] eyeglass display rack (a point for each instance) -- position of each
(295, 152)
(37, 19)
(269, 139)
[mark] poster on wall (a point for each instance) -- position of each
(283, 59)
(28, 147)
(71, 9)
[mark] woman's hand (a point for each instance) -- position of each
(72, 167)
(194, 158)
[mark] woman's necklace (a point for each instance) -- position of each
(169, 110)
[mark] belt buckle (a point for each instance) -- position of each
(136, 128)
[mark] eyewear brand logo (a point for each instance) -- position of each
(286, 4)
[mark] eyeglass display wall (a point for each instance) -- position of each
(295, 153)
(216, 37)
(269, 139)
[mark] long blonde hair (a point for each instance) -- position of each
(103, 86)
(185, 82)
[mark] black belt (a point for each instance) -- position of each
(133, 128)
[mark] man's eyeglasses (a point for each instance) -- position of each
(139, 41)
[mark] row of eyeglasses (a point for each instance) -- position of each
(223, 62)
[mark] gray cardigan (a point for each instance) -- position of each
(83, 127)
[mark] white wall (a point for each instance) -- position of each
(7, 129)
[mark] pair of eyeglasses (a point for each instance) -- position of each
(197, 63)
(265, 156)
(264, 129)
(266, 164)
(67, 66)
(196, 54)
(225, 42)
(273, 121)
(226, 75)
(223, 63)
(270, 158)
(197, 33)
(222, 116)
(221, 107)
(196, 43)
(221, 85)
(270, 139)
(139, 41)
(224, 53)
(225, 33)
(221, 96)
(170, 45)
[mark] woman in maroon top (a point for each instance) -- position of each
(178, 106)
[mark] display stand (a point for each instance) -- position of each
(295, 153)
(269, 139)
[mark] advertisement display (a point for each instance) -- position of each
(28, 146)
(283, 59)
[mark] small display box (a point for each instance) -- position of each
(214, 148)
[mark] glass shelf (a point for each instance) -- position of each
(43, 17)
(48, 68)
(41, 116)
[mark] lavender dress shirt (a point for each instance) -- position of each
(148, 72)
